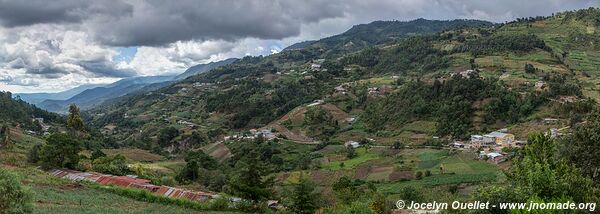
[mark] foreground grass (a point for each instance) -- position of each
(79, 199)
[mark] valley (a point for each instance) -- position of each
(418, 110)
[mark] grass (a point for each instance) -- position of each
(427, 127)
(85, 200)
(458, 168)
(362, 156)
(56, 195)
(135, 154)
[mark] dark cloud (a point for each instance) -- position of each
(103, 69)
(159, 22)
(14, 13)
(48, 72)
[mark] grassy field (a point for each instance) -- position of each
(362, 156)
(55, 195)
(459, 168)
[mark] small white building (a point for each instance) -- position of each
(352, 144)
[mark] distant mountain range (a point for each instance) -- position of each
(36, 98)
(88, 96)
(201, 68)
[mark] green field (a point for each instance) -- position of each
(362, 156)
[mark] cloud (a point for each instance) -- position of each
(14, 13)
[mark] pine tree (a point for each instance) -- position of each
(304, 199)
(74, 120)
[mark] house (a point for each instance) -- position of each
(458, 145)
(540, 85)
(340, 89)
(495, 157)
(373, 90)
(351, 120)
(267, 134)
(274, 205)
(501, 138)
(315, 103)
(550, 120)
(488, 140)
(352, 144)
(476, 138)
(464, 74)
(315, 67)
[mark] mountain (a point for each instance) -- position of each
(16, 111)
(253, 91)
(201, 68)
(390, 80)
(88, 97)
(377, 32)
(36, 98)
(95, 96)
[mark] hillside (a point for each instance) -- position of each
(97, 95)
(254, 91)
(379, 32)
(36, 98)
(16, 112)
(421, 110)
(201, 68)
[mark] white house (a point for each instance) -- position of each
(352, 144)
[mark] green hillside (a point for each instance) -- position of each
(380, 111)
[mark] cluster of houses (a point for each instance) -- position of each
(376, 91)
(465, 74)
(266, 133)
(316, 65)
(491, 145)
(44, 126)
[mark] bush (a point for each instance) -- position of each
(116, 165)
(13, 197)
(419, 175)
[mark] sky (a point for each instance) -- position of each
(50, 46)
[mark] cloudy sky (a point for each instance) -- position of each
(49, 46)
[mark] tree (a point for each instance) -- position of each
(541, 174)
(166, 135)
(34, 154)
(4, 135)
(350, 152)
(248, 182)
(60, 151)
(529, 68)
(13, 197)
(419, 175)
(190, 172)
(345, 190)
(379, 204)
(74, 120)
(583, 146)
(97, 154)
(304, 199)
(115, 165)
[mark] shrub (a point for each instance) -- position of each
(13, 197)
(116, 165)
(419, 175)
